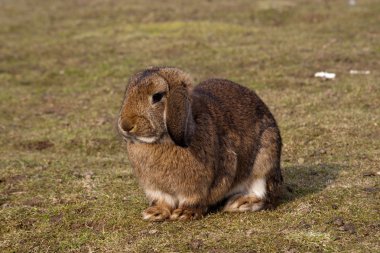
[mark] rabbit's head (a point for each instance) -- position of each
(157, 104)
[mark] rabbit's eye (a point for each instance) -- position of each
(157, 97)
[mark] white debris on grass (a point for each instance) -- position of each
(325, 75)
(352, 2)
(359, 72)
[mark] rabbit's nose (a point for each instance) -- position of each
(128, 126)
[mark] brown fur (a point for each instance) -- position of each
(208, 143)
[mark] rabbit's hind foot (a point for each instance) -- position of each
(244, 203)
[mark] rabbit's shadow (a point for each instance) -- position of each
(303, 180)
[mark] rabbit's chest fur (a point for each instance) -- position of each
(169, 169)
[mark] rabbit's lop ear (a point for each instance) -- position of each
(179, 117)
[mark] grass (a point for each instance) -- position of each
(65, 181)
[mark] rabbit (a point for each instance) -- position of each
(194, 147)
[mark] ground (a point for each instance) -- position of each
(65, 181)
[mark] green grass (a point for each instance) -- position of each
(65, 181)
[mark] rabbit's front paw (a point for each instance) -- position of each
(156, 213)
(187, 213)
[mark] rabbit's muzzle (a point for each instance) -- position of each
(137, 129)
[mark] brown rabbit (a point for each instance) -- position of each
(193, 147)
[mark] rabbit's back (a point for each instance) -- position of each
(242, 107)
